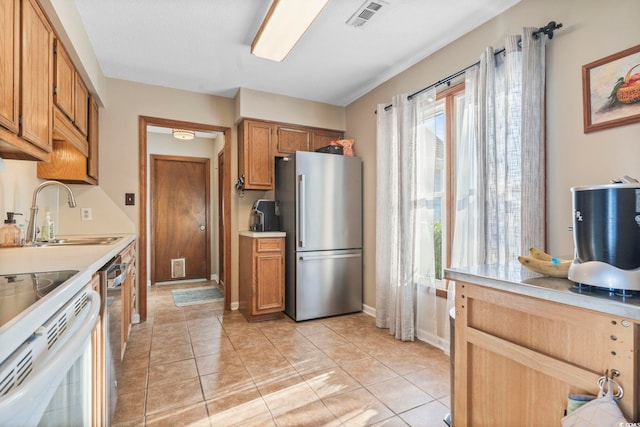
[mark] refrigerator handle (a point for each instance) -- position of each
(301, 210)
(311, 258)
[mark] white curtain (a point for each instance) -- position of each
(404, 186)
(500, 177)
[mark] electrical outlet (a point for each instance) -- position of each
(86, 214)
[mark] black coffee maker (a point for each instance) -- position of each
(264, 216)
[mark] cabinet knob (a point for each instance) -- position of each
(202, 228)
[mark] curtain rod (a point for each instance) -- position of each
(546, 30)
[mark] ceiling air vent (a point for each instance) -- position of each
(366, 12)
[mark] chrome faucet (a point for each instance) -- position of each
(30, 238)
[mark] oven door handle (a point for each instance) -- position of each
(54, 369)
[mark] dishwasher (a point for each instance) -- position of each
(111, 277)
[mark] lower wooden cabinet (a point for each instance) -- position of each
(128, 257)
(517, 358)
(261, 278)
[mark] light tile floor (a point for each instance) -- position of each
(201, 366)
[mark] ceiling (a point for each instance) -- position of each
(204, 45)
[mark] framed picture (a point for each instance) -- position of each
(611, 90)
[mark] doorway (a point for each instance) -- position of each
(225, 214)
(180, 231)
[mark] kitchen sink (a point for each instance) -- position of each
(78, 241)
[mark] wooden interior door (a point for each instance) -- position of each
(180, 218)
(221, 185)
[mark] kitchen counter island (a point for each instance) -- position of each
(523, 342)
(512, 277)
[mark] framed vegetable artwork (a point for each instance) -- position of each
(611, 90)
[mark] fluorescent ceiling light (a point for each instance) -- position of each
(284, 25)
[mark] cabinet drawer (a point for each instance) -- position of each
(269, 245)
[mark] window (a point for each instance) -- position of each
(435, 195)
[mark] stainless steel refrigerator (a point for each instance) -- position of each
(320, 201)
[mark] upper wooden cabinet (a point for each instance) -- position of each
(64, 80)
(74, 158)
(81, 105)
(70, 93)
(26, 76)
(255, 157)
(291, 139)
(260, 142)
(37, 72)
(322, 137)
(10, 64)
(92, 161)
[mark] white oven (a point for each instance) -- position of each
(46, 355)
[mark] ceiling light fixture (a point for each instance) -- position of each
(183, 134)
(284, 25)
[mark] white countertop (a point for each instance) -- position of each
(263, 233)
(512, 277)
(30, 259)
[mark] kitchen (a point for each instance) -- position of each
(591, 31)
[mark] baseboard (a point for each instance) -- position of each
(235, 306)
(433, 340)
(215, 278)
(422, 335)
(367, 309)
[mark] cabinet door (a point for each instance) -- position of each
(80, 105)
(292, 139)
(37, 76)
(9, 65)
(92, 161)
(268, 296)
(321, 138)
(257, 158)
(64, 81)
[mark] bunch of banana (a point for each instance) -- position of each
(543, 263)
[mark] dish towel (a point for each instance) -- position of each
(602, 411)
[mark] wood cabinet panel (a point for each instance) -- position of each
(261, 278)
(321, 138)
(269, 288)
(80, 105)
(517, 358)
(255, 158)
(64, 81)
(128, 257)
(9, 64)
(93, 139)
(36, 76)
(292, 139)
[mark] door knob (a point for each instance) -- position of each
(202, 228)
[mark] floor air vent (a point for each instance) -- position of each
(177, 268)
(366, 12)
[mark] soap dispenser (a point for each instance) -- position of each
(9, 232)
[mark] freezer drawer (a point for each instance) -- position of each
(328, 283)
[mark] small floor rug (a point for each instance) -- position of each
(194, 296)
